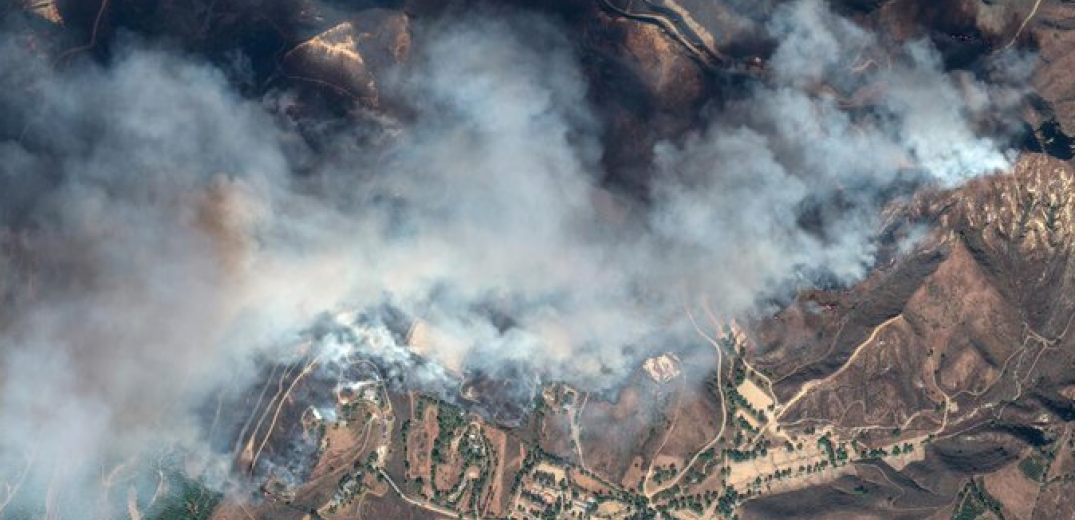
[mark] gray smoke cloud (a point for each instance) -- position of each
(843, 119)
(161, 258)
(158, 240)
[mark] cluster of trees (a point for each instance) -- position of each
(727, 502)
(791, 448)
(873, 453)
(974, 500)
(1033, 467)
(449, 419)
(352, 411)
(814, 468)
(187, 500)
(905, 448)
(546, 479)
(836, 454)
(405, 433)
(664, 474)
(780, 474)
(350, 486)
(737, 455)
(697, 503)
(534, 454)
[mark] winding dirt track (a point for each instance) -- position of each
(811, 385)
(93, 35)
(422, 503)
(723, 414)
(667, 434)
(276, 415)
(1023, 25)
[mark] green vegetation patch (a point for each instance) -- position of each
(1034, 467)
(974, 501)
(187, 499)
(969, 509)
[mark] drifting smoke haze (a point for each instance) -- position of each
(160, 241)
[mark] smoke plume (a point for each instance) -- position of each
(159, 238)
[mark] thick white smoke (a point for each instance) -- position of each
(169, 240)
